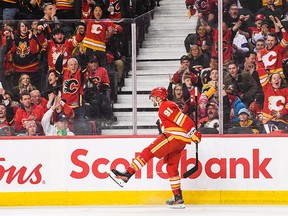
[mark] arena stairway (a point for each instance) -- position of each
(157, 57)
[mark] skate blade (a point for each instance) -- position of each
(177, 206)
(120, 182)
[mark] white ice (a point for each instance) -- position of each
(193, 210)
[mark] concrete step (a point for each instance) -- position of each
(143, 118)
(125, 100)
(155, 71)
(176, 54)
(158, 50)
(153, 64)
(143, 114)
(146, 79)
(175, 44)
(145, 88)
(168, 34)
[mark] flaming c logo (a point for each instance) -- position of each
(202, 5)
(70, 86)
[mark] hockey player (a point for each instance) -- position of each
(179, 130)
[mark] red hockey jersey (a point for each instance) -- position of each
(227, 44)
(274, 99)
(95, 38)
(99, 77)
(272, 59)
(174, 121)
(72, 89)
(54, 50)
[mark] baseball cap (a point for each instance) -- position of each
(61, 117)
(30, 123)
(264, 22)
(259, 17)
(92, 58)
(213, 104)
(243, 110)
(184, 57)
(57, 31)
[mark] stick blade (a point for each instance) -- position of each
(191, 171)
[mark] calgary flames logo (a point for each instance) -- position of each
(202, 5)
(96, 80)
(23, 49)
(70, 86)
(276, 103)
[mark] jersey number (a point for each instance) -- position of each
(168, 112)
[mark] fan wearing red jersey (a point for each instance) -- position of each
(275, 106)
(272, 54)
(178, 131)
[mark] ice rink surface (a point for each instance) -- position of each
(194, 210)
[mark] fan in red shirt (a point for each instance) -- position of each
(275, 107)
(272, 54)
(72, 81)
(26, 112)
(55, 45)
(228, 36)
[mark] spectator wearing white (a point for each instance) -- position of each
(60, 128)
(240, 47)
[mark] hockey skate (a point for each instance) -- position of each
(120, 177)
(176, 202)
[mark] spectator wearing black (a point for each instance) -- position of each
(97, 92)
(241, 83)
(270, 10)
(201, 38)
(232, 16)
(198, 61)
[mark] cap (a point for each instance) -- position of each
(184, 57)
(30, 123)
(92, 58)
(243, 110)
(264, 22)
(213, 104)
(57, 31)
(61, 117)
(81, 24)
(259, 17)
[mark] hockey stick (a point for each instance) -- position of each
(195, 168)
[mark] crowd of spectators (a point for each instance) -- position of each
(61, 63)
(255, 75)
